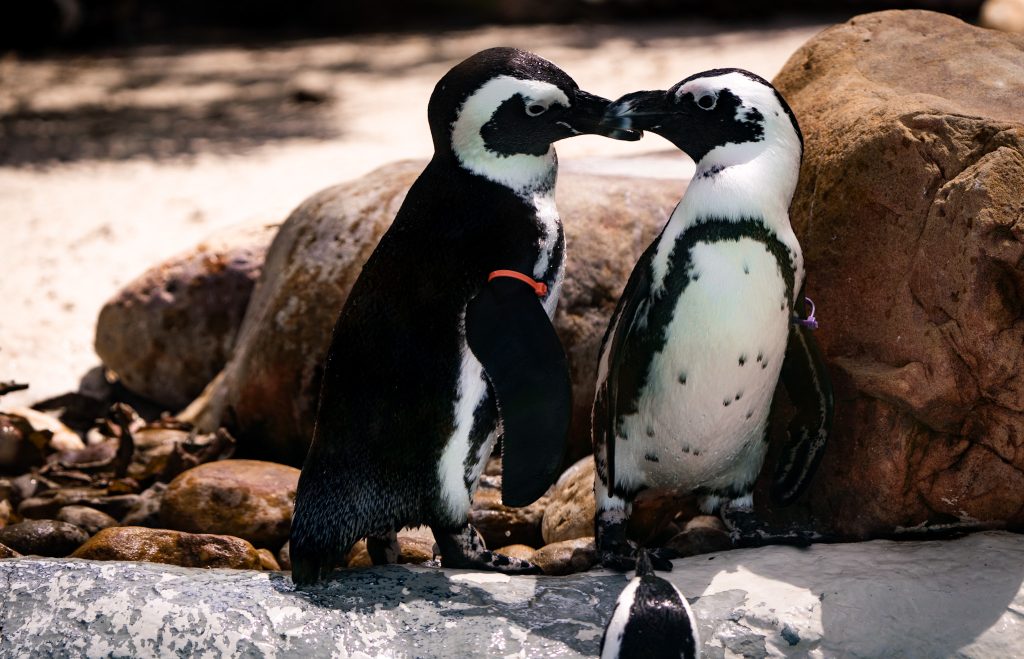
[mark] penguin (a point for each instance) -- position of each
(445, 341)
(651, 620)
(711, 316)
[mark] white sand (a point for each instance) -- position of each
(71, 234)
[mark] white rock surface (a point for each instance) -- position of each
(922, 599)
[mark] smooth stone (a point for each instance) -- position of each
(416, 546)
(90, 520)
(525, 552)
(136, 543)
(267, 560)
(499, 524)
(43, 537)
(248, 499)
(566, 557)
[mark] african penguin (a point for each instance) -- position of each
(651, 620)
(709, 318)
(446, 340)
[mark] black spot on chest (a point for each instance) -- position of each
(649, 316)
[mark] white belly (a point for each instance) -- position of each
(703, 412)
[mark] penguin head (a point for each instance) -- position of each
(498, 113)
(720, 118)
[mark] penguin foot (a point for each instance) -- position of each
(624, 559)
(464, 548)
(383, 549)
(746, 531)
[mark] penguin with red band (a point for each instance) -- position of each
(431, 360)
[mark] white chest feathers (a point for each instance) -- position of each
(703, 410)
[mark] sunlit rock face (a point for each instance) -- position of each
(911, 219)
(881, 598)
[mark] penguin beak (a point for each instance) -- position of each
(588, 117)
(639, 111)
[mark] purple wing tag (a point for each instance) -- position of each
(810, 322)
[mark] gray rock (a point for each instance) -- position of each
(90, 520)
(43, 537)
(878, 598)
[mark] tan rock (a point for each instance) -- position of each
(1006, 15)
(135, 543)
(7, 552)
(249, 499)
(52, 434)
(43, 537)
(912, 225)
(46, 505)
(570, 513)
(566, 557)
(170, 331)
(90, 520)
(268, 391)
(268, 561)
(415, 544)
(499, 524)
(6, 511)
(525, 552)
(284, 556)
(701, 535)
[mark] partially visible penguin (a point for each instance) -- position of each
(446, 338)
(710, 317)
(651, 620)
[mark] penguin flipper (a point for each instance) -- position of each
(510, 333)
(807, 382)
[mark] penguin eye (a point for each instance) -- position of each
(535, 109)
(707, 101)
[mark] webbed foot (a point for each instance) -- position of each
(464, 548)
(624, 558)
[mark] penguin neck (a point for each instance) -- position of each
(759, 189)
(525, 175)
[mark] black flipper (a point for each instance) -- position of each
(810, 389)
(509, 332)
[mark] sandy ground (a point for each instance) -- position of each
(112, 163)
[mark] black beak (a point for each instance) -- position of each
(588, 117)
(639, 111)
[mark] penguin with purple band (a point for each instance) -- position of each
(711, 317)
(438, 349)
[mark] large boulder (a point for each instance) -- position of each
(911, 218)
(170, 331)
(268, 391)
